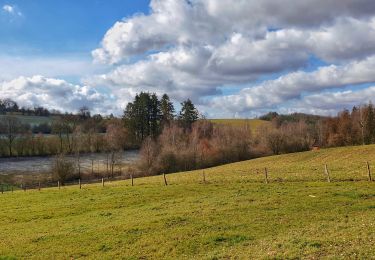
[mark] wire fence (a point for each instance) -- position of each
(344, 172)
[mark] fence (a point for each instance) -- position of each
(267, 175)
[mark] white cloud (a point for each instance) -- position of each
(173, 72)
(221, 43)
(339, 100)
(174, 22)
(56, 94)
(329, 103)
(348, 39)
(199, 70)
(12, 67)
(8, 8)
(291, 86)
(11, 10)
(195, 71)
(194, 48)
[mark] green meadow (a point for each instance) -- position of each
(32, 120)
(233, 214)
(251, 123)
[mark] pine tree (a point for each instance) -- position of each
(142, 116)
(188, 115)
(155, 116)
(370, 125)
(167, 110)
(129, 120)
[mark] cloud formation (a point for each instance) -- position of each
(239, 57)
(8, 8)
(11, 10)
(210, 22)
(55, 94)
(291, 86)
(195, 48)
(12, 67)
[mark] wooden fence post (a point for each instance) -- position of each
(369, 171)
(131, 176)
(327, 173)
(204, 177)
(12, 188)
(2, 189)
(80, 185)
(58, 184)
(266, 174)
(39, 186)
(98, 167)
(102, 182)
(165, 180)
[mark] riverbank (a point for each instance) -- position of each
(32, 170)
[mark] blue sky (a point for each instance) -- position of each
(63, 26)
(221, 54)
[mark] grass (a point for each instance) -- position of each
(32, 120)
(233, 215)
(253, 123)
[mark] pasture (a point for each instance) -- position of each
(227, 212)
(251, 123)
(33, 120)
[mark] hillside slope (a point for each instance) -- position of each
(32, 120)
(233, 214)
(253, 124)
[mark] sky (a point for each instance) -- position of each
(233, 58)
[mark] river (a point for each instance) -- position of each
(26, 165)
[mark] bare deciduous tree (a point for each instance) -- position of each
(63, 168)
(78, 146)
(11, 127)
(115, 138)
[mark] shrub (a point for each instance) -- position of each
(63, 168)
(205, 145)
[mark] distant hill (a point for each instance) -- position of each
(253, 123)
(32, 120)
(294, 117)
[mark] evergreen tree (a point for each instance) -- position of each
(167, 110)
(129, 119)
(142, 116)
(370, 125)
(155, 116)
(188, 114)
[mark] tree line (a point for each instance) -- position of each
(174, 141)
(206, 144)
(185, 140)
(10, 106)
(74, 134)
(299, 132)
(21, 139)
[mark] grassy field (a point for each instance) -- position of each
(33, 120)
(253, 123)
(233, 215)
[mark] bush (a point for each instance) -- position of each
(205, 145)
(63, 169)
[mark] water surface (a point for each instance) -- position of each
(43, 164)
